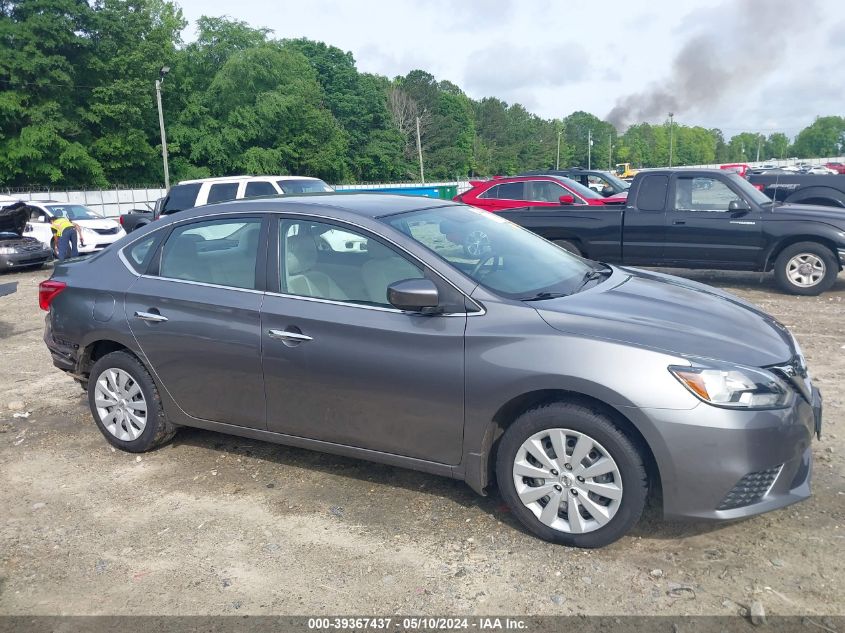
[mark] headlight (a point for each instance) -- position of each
(7, 250)
(734, 386)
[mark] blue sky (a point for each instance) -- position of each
(755, 65)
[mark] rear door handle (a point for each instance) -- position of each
(151, 317)
(679, 221)
(284, 335)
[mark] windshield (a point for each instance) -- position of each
(498, 254)
(749, 191)
(579, 189)
(72, 212)
(304, 186)
(617, 183)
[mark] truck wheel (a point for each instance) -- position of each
(126, 405)
(806, 268)
(569, 247)
(571, 476)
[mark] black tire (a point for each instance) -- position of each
(569, 247)
(595, 424)
(158, 429)
(820, 251)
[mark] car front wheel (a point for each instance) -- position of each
(806, 268)
(571, 476)
(126, 405)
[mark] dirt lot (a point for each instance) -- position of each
(219, 525)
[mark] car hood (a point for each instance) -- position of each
(13, 219)
(818, 212)
(673, 315)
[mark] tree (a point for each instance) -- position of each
(824, 137)
(776, 145)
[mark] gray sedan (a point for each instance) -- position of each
(576, 386)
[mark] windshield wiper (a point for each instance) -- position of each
(594, 274)
(540, 296)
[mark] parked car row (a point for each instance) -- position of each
(691, 219)
(196, 193)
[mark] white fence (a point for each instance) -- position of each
(786, 162)
(114, 202)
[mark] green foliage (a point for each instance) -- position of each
(78, 108)
(824, 137)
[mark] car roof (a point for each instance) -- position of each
(239, 178)
(371, 205)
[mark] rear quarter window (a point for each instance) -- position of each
(180, 197)
(141, 252)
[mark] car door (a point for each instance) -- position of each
(702, 231)
(644, 222)
(38, 226)
(196, 316)
(341, 364)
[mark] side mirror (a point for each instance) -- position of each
(567, 199)
(738, 206)
(413, 295)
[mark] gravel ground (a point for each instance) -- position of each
(212, 524)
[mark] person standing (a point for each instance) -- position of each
(67, 233)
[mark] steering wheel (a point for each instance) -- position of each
(484, 259)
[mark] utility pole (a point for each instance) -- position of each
(671, 139)
(161, 74)
(589, 149)
(419, 151)
(609, 153)
(759, 142)
(557, 162)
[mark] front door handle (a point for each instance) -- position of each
(679, 221)
(151, 317)
(284, 335)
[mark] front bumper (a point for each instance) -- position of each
(726, 464)
(96, 245)
(24, 259)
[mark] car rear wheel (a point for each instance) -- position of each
(806, 268)
(126, 405)
(571, 476)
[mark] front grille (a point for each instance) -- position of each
(750, 489)
(28, 248)
(107, 231)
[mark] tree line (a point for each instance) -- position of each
(77, 109)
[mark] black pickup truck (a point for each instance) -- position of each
(712, 219)
(826, 190)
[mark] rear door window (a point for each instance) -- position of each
(220, 252)
(652, 194)
(223, 191)
(505, 191)
(259, 188)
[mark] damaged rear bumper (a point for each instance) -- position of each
(65, 355)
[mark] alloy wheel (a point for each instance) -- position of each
(805, 270)
(120, 404)
(568, 480)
